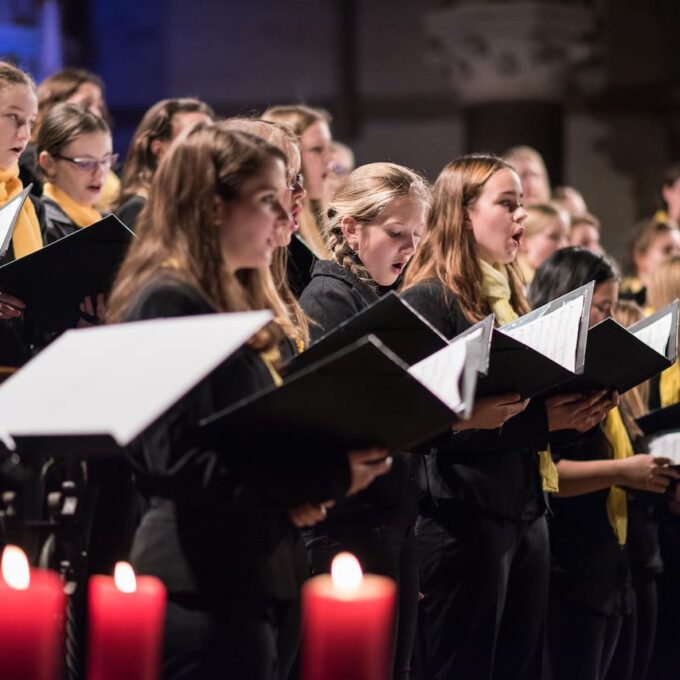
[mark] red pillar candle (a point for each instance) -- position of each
(347, 623)
(126, 616)
(32, 605)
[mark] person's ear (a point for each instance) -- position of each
(47, 164)
(467, 222)
(350, 231)
(158, 147)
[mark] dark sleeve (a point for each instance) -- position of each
(173, 459)
(442, 311)
(129, 211)
(327, 305)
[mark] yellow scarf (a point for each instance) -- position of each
(617, 502)
(270, 358)
(26, 238)
(81, 215)
(496, 289)
(669, 385)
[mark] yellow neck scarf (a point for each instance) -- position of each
(26, 238)
(270, 358)
(496, 289)
(617, 502)
(81, 215)
(669, 385)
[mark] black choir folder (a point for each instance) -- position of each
(660, 420)
(619, 358)
(92, 391)
(54, 280)
(360, 396)
(540, 350)
(392, 320)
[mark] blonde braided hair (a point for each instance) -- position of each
(363, 195)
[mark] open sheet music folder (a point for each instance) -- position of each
(9, 213)
(392, 320)
(54, 280)
(660, 420)
(92, 391)
(363, 395)
(619, 358)
(541, 349)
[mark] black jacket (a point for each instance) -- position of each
(57, 223)
(496, 471)
(217, 527)
(128, 213)
(588, 566)
(333, 296)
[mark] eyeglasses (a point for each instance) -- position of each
(296, 182)
(91, 164)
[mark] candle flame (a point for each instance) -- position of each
(124, 577)
(15, 570)
(346, 573)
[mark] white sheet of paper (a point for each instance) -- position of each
(667, 445)
(7, 214)
(554, 335)
(440, 372)
(656, 334)
(118, 379)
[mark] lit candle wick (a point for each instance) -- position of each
(15, 571)
(346, 574)
(124, 578)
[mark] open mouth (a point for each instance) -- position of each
(94, 188)
(398, 267)
(18, 150)
(517, 236)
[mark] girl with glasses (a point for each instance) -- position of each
(74, 152)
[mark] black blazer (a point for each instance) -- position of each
(496, 471)
(333, 296)
(588, 566)
(217, 528)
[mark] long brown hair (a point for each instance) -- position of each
(363, 195)
(176, 227)
(290, 315)
(448, 250)
(141, 162)
(61, 86)
(298, 118)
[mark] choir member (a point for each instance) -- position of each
(162, 123)
(218, 520)
(482, 534)
(375, 222)
(590, 586)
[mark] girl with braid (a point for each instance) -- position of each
(375, 222)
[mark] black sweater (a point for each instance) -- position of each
(495, 471)
(217, 528)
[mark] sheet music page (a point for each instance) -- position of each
(667, 445)
(440, 373)
(7, 214)
(656, 334)
(118, 379)
(554, 335)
